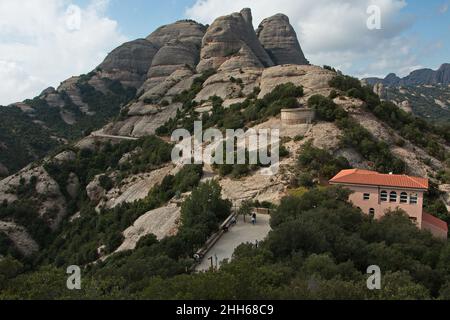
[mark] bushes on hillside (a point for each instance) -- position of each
(325, 108)
(319, 163)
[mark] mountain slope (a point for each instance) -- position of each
(116, 187)
(416, 78)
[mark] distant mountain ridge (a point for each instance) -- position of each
(417, 77)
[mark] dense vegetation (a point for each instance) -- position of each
(27, 137)
(356, 136)
(426, 101)
(21, 140)
(410, 127)
(79, 240)
(238, 115)
(320, 248)
(319, 163)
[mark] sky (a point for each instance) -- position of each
(43, 42)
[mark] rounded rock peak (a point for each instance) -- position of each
(246, 13)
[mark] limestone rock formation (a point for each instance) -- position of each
(417, 77)
(178, 46)
(226, 37)
(313, 79)
(130, 62)
(406, 106)
(380, 90)
(20, 237)
(162, 222)
(184, 31)
(279, 39)
(50, 202)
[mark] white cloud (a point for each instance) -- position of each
(444, 8)
(43, 42)
(333, 32)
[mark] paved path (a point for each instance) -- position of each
(101, 135)
(243, 232)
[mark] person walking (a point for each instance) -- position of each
(254, 219)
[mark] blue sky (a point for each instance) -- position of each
(42, 44)
(429, 29)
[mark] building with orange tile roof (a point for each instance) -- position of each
(375, 194)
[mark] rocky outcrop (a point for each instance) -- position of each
(95, 191)
(133, 188)
(443, 74)
(162, 222)
(229, 36)
(178, 46)
(50, 202)
(313, 79)
(232, 84)
(70, 87)
(406, 106)
(139, 126)
(279, 39)
(130, 62)
(380, 90)
(19, 237)
(184, 31)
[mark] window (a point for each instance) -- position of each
(393, 196)
(384, 196)
(372, 211)
(403, 197)
(366, 196)
(413, 199)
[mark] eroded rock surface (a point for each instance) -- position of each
(279, 39)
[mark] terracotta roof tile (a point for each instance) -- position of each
(365, 177)
(438, 223)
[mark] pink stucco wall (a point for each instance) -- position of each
(435, 231)
(413, 210)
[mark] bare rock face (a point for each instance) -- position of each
(159, 87)
(279, 39)
(20, 237)
(178, 46)
(313, 79)
(162, 222)
(69, 86)
(50, 202)
(226, 37)
(94, 190)
(65, 156)
(185, 31)
(380, 90)
(222, 84)
(173, 56)
(406, 106)
(130, 62)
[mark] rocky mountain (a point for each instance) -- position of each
(425, 91)
(279, 39)
(108, 191)
(416, 78)
(161, 65)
